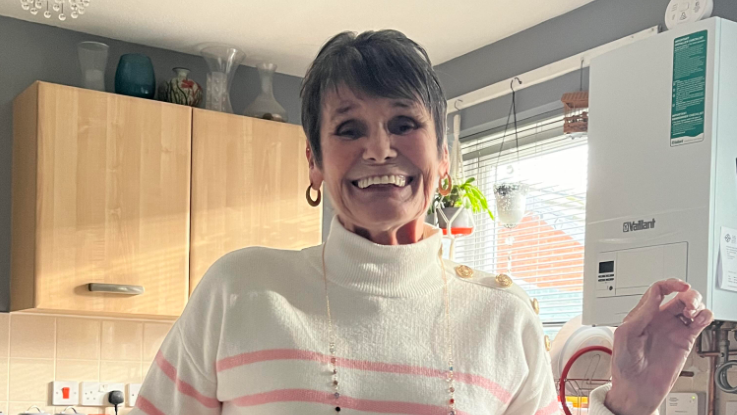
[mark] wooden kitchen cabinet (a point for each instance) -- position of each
(101, 194)
(249, 178)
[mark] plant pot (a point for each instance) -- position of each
(461, 225)
(511, 203)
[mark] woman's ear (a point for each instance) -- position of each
(444, 167)
(316, 177)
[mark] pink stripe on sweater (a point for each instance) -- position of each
(552, 408)
(291, 354)
(307, 395)
(147, 407)
(171, 372)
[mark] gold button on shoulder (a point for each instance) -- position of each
(504, 280)
(535, 305)
(464, 271)
(547, 343)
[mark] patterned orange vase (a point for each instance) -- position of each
(182, 90)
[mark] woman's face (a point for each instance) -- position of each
(380, 161)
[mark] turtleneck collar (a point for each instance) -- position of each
(409, 270)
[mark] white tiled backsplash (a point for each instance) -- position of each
(37, 349)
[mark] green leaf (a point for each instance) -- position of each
(466, 195)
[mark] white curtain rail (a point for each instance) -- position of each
(542, 74)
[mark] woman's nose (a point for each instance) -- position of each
(379, 147)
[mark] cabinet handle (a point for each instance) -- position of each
(117, 288)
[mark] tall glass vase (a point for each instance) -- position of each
(265, 105)
(93, 62)
(223, 60)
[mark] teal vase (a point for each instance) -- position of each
(135, 76)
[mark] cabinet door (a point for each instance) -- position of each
(113, 183)
(249, 178)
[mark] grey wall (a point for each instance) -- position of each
(30, 52)
(587, 27)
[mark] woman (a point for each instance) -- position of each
(373, 321)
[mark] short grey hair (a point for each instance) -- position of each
(383, 63)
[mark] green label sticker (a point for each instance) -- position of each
(689, 89)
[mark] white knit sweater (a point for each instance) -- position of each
(254, 338)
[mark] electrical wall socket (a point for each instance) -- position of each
(133, 389)
(92, 394)
(96, 393)
(64, 393)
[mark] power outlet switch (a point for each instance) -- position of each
(96, 393)
(92, 394)
(133, 389)
(65, 393)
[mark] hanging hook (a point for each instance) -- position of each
(581, 74)
(457, 104)
(511, 84)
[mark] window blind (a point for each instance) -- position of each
(544, 253)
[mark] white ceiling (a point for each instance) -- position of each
(290, 32)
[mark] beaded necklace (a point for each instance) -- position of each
(449, 347)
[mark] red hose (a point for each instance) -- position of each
(564, 375)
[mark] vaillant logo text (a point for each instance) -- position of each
(638, 226)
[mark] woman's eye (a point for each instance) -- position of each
(349, 130)
(402, 125)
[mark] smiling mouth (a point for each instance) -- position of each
(383, 181)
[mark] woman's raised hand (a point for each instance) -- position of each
(651, 347)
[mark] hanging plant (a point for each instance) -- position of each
(511, 196)
(511, 203)
(457, 205)
(464, 195)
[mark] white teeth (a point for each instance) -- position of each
(399, 181)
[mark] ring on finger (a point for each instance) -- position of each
(685, 320)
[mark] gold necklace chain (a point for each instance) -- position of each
(449, 344)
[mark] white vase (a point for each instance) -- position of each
(265, 105)
(93, 61)
(511, 203)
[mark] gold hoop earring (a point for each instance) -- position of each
(445, 190)
(316, 202)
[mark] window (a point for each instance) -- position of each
(544, 253)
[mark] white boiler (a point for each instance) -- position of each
(662, 183)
